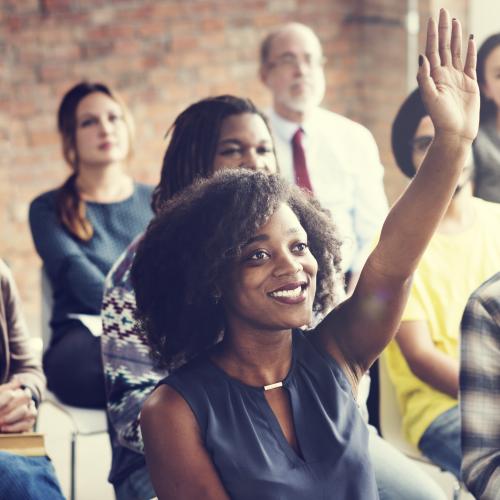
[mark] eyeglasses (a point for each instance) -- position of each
(421, 144)
(294, 61)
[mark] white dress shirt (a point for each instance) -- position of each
(345, 172)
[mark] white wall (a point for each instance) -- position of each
(484, 18)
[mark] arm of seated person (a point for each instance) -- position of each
(429, 364)
(24, 365)
(178, 463)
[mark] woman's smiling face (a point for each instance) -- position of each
(272, 285)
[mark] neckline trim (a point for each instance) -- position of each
(260, 388)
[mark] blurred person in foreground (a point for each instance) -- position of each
(480, 391)
(21, 389)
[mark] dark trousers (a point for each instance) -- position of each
(73, 367)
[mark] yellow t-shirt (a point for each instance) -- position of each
(452, 267)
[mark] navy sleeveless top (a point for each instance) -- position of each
(246, 443)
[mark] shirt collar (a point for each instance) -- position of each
(285, 128)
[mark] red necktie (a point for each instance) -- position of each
(299, 161)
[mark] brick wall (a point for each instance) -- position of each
(162, 55)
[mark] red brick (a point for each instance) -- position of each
(163, 55)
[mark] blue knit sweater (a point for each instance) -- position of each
(77, 269)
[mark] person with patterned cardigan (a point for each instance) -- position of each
(240, 139)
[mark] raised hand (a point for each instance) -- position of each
(448, 86)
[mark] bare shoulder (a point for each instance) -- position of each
(165, 407)
(178, 462)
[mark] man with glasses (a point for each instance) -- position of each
(332, 156)
(338, 161)
(423, 360)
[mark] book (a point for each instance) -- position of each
(29, 444)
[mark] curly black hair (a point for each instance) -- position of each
(190, 245)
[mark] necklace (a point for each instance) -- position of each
(273, 386)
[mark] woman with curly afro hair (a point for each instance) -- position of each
(236, 277)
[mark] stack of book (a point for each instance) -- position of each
(29, 444)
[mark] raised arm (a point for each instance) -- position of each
(358, 330)
(63, 258)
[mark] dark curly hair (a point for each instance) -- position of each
(488, 108)
(189, 247)
(193, 142)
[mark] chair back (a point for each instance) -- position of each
(91, 321)
(391, 426)
(47, 304)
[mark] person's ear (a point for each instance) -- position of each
(263, 74)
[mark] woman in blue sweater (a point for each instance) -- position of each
(80, 229)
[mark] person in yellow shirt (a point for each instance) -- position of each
(465, 250)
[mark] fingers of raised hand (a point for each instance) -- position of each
(444, 46)
(444, 42)
(431, 45)
(425, 82)
(456, 44)
(444, 37)
(470, 60)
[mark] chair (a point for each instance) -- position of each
(85, 422)
(391, 425)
